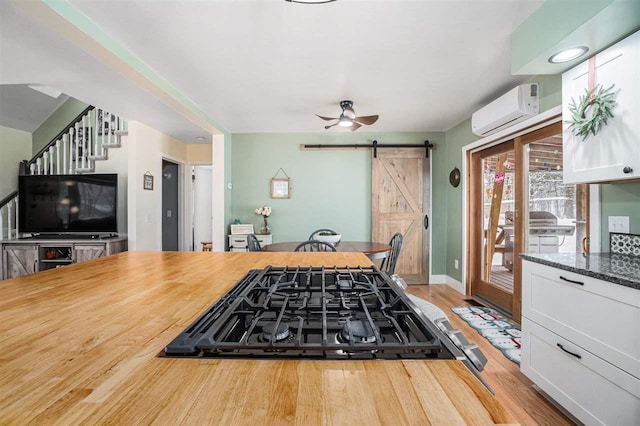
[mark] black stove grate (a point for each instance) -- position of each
(311, 312)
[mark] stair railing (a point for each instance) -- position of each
(74, 150)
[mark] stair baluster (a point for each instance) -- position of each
(65, 144)
(77, 144)
(50, 160)
(10, 216)
(58, 157)
(95, 131)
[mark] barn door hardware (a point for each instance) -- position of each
(375, 146)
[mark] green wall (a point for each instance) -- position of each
(616, 199)
(56, 122)
(329, 188)
(16, 146)
(228, 167)
(619, 199)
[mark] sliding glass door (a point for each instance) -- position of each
(518, 204)
(493, 195)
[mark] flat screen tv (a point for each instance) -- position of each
(68, 204)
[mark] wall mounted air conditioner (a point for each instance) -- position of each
(513, 107)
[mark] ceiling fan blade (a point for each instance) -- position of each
(331, 125)
(326, 118)
(367, 119)
(355, 126)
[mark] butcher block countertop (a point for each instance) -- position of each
(80, 344)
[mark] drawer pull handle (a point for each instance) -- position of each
(570, 281)
(570, 353)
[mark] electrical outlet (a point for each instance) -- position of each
(455, 264)
(619, 224)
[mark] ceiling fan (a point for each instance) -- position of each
(348, 118)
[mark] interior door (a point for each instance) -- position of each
(400, 186)
(170, 205)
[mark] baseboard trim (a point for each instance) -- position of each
(446, 279)
(437, 279)
(455, 284)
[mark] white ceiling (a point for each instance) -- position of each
(24, 108)
(271, 65)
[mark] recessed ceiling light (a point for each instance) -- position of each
(568, 54)
(201, 138)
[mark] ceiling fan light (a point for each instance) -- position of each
(345, 121)
(349, 113)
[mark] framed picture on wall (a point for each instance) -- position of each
(147, 182)
(81, 141)
(106, 122)
(280, 188)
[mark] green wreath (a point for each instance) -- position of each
(592, 111)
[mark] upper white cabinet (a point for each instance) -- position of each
(613, 153)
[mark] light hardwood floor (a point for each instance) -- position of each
(513, 390)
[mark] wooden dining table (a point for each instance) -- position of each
(371, 249)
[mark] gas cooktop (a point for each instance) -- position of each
(313, 312)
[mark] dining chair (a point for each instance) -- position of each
(389, 263)
(315, 245)
(313, 234)
(253, 244)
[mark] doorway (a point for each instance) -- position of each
(201, 206)
(519, 204)
(170, 206)
(400, 182)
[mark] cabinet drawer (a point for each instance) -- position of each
(238, 243)
(602, 317)
(591, 389)
(264, 239)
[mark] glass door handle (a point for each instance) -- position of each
(426, 221)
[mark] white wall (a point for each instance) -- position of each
(117, 162)
(146, 147)
(15, 146)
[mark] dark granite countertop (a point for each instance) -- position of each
(616, 268)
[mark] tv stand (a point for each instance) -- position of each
(49, 237)
(39, 253)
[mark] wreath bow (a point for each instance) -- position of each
(592, 111)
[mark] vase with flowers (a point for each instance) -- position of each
(265, 212)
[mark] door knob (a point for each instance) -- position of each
(627, 170)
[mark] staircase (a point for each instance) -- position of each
(75, 150)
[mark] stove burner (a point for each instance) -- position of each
(313, 313)
(282, 332)
(345, 284)
(360, 330)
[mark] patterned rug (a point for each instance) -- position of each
(502, 334)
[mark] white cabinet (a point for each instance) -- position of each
(238, 242)
(614, 153)
(581, 343)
